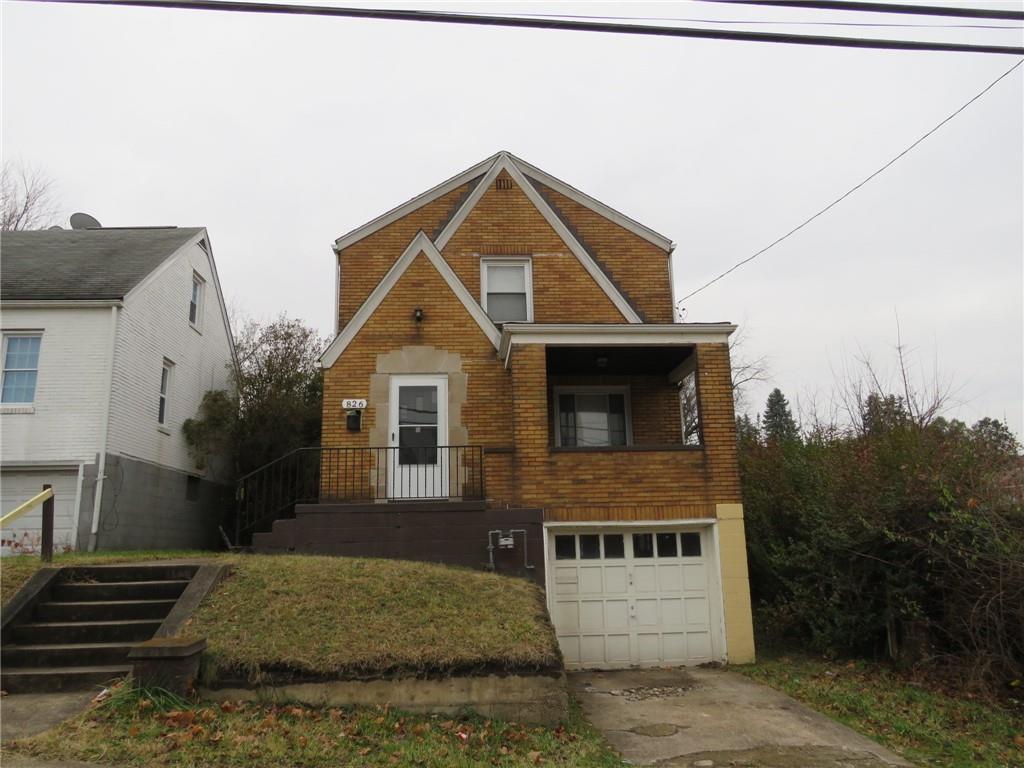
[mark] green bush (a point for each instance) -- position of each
(900, 535)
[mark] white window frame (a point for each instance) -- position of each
(593, 390)
(165, 394)
(508, 261)
(199, 291)
(7, 336)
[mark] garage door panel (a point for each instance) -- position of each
(592, 649)
(670, 578)
(673, 646)
(631, 603)
(617, 649)
(698, 645)
(648, 647)
(672, 611)
(567, 616)
(695, 576)
(697, 610)
(647, 612)
(592, 615)
(616, 614)
(616, 579)
(570, 650)
(645, 578)
(566, 581)
(590, 581)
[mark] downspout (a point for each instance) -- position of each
(78, 502)
(104, 435)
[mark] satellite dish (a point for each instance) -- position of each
(84, 221)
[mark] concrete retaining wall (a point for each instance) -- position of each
(535, 699)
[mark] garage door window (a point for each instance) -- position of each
(590, 547)
(691, 544)
(666, 545)
(614, 546)
(643, 545)
(565, 547)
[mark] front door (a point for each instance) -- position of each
(418, 467)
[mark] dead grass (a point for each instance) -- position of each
(294, 617)
(16, 570)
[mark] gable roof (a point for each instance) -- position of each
(420, 244)
(524, 168)
(84, 264)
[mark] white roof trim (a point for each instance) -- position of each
(420, 244)
(596, 206)
(505, 162)
(596, 334)
(59, 303)
(411, 205)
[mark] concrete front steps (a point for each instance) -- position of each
(77, 635)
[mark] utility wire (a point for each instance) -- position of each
(864, 7)
(242, 6)
(849, 192)
(734, 22)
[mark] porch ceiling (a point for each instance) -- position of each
(615, 361)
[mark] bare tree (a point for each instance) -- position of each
(745, 370)
(26, 198)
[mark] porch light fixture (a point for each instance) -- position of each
(601, 362)
(418, 315)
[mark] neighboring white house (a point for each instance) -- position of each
(111, 337)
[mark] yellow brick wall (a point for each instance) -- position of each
(365, 262)
(505, 223)
(638, 267)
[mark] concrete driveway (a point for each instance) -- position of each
(713, 718)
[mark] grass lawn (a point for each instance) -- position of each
(16, 570)
(306, 617)
(133, 729)
(927, 726)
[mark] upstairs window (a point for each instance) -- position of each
(21, 368)
(195, 304)
(506, 289)
(592, 417)
(165, 390)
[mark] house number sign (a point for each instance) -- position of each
(353, 404)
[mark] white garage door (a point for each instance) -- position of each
(629, 596)
(25, 533)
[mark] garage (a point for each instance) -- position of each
(630, 596)
(25, 533)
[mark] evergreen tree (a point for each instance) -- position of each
(778, 425)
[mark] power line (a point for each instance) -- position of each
(734, 22)
(241, 6)
(849, 192)
(854, 5)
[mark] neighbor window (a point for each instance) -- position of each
(21, 367)
(506, 289)
(592, 417)
(165, 389)
(195, 304)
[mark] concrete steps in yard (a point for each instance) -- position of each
(78, 633)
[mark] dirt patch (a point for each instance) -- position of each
(778, 757)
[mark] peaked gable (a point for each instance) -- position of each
(421, 244)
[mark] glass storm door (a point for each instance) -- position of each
(417, 462)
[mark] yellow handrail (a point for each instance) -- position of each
(21, 509)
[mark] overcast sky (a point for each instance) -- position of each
(280, 134)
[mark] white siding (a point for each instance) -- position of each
(65, 424)
(154, 326)
(25, 533)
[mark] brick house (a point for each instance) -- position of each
(508, 377)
